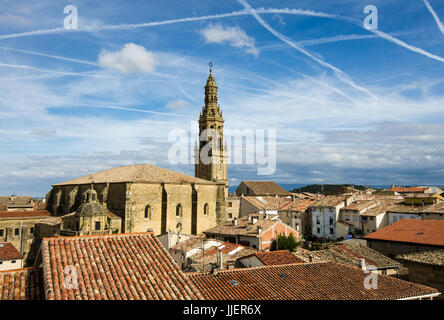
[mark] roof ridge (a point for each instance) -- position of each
(100, 235)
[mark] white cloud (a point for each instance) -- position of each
(177, 104)
(235, 36)
(131, 59)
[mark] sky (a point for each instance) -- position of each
(349, 104)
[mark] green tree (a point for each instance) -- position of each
(285, 243)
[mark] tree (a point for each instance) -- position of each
(285, 243)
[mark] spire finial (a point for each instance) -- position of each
(211, 66)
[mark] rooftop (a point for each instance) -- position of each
(407, 189)
(330, 201)
(418, 231)
(304, 281)
(360, 205)
(279, 257)
(430, 257)
(114, 267)
(9, 252)
(24, 214)
(136, 173)
(20, 284)
(350, 254)
(265, 188)
(298, 205)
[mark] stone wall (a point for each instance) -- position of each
(428, 275)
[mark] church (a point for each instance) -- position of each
(142, 197)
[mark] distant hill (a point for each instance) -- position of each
(326, 188)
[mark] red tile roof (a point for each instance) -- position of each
(9, 252)
(307, 281)
(408, 189)
(279, 257)
(20, 284)
(426, 232)
(123, 266)
(24, 214)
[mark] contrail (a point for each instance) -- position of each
(300, 12)
(26, 67)
(341, 75)
(49, 56)
(128, 109)
(435, 16)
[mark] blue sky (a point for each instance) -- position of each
(349, 105)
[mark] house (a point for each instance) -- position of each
(233, 207)
(352, 213)
(325, 216)
(404, 190)
(262, 204)
(353, 254)
(425, 267)
(297, 214)
(16, 203)
(172, 238)
(111, 267)
(261, 188)
(422, 198)
(256, 231)
(18, 228)
(10, 257)
(305, 281)
(222, 257)
(407, 236)
(268, 258)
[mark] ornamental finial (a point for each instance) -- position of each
(211, 66)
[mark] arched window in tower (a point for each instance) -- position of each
(179, 210)
(206, 208)
(148, 212)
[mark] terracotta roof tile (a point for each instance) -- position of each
(114, 267)
(305, 281)
(9, 252)
(426, 232)
(136, 173)
(20, 284)
(270, 258)
(429, 257)
(24, 214)
(266, 188)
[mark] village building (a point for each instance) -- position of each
(425, 267)
(354, 255)
(10, 257)
(261, 188)
(262, 204)
(325, 215)
(352, 215)
(305, 281)
(407, 236)
(268, 258)
(297, 214)
(18, 228)
(256, 231)
(233, 207)
(16, 203)
(146, 197)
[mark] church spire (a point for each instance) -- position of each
(211, 108)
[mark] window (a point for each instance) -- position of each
(355, 218)
(347, 218)
(1, 232)
(1, 262)
(331, 221)
(179, 210)
(332, 231)
(97, 225)
(31, 230)
(318, 220)
(93, 197)
(401, 217)
(319, 230)
(371, 218)
(148, 212)
(13, 261)
(395, 218)
(230, 204)
(16, 231)
(205, 211)
(331, 209)
(230, 215)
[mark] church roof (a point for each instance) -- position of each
(136, 173)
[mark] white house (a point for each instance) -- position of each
(325, 215)
(10, 257)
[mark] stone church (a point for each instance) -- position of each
(145, 197)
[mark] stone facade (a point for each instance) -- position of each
(428, 275)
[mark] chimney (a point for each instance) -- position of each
(235, 222)
(259, 229)
(249, 218)
(310, 259)
(254, 219)
(221, 265)
(213, 269)
(361, 264)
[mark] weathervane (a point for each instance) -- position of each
(211, 65)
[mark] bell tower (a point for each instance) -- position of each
(210, 154)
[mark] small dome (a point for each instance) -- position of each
(89, 209)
